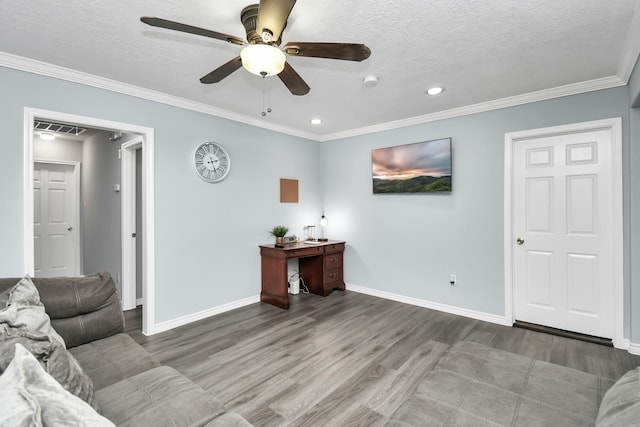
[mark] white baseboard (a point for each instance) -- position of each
(181, 321)
(478, 315)
(634, 348)
(139, 301)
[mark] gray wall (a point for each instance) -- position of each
(206, 235)
(410, 244)
(59, 149)
(101, 242)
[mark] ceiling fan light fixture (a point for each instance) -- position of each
(262, 59)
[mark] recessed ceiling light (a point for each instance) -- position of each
(370, 81)
(47, 136)
(434, 91)
(316, 121)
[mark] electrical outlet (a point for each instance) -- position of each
(452, 279)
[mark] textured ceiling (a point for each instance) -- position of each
(478, 50)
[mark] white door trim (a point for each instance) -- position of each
(76, 206)
(614, 126)
(128, 198)
(148, 262)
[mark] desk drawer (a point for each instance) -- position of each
(303, 252)
(332, 276)
(333, 261)
(334, 248)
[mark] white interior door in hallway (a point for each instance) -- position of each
(563, 223)
(56, 212)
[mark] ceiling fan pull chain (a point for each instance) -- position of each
(264, 113)
(267, 97)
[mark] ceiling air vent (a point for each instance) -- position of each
(63, 128)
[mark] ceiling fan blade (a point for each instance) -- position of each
(272, 16)
(293, 81)
(176, 26)
(222, 71)
(345, 51)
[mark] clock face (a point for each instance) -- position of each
(212, 162)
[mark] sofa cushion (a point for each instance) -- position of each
(82, 309)
(112, 359)
(38, 344)
(31, 397)
(25, 322)
(159, 397)
(24, 309)
(53, 357)
(621, 403)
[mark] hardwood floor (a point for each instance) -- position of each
(347, 359)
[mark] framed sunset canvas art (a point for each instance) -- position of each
(422, 167)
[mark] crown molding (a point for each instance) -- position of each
(542, 95)
(630, 55)
(62, 73)
(631, 49)
(625, 68)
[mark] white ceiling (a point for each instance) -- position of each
(478, 50)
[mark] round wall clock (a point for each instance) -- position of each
(212, 162)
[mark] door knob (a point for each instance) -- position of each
(69, 228)
(520, 240)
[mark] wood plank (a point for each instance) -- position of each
(346, 359)
(401, 383)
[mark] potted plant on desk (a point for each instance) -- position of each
(279, 231)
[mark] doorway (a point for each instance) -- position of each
(146, 143)
(132, 215)
(563, 228)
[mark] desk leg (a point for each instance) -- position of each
(274, 281)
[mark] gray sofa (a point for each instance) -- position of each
(131, 387)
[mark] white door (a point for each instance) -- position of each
(55, 228)
(563, 227)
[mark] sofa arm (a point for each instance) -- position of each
(82, 309)
(620, 405)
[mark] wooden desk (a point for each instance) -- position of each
(320, 268)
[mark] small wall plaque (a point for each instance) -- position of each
(288, 190)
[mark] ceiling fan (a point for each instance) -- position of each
(264, 24)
